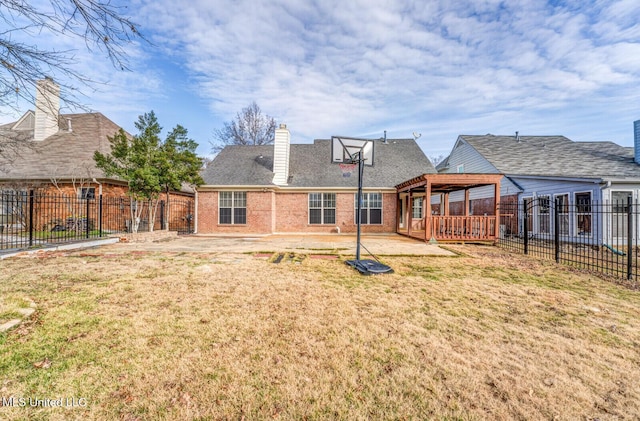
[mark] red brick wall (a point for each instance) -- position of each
(259, 205)
(291, 214)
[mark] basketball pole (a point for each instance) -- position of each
(359, 216)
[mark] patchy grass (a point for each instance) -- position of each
(485, 335)
(10, 306)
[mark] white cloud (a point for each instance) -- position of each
(360, 67)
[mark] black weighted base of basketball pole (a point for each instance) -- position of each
(369, 267)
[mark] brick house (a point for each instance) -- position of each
(52, 153)
(287, 188)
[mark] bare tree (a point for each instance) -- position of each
(435, 160)
(250, 127)
(98, 22)
(81, 176)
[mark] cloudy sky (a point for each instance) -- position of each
(360, 67)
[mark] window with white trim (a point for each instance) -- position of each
(583, 213)
(87, 193)
(416, 208)
(544, 215)
(322, 208)
(562, 201)
(370, 209)
(460, 168)
(232, 206)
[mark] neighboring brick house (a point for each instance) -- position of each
(52, 153)
(288, 187)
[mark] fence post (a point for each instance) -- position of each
(526, 227)
(629, 238)
(86, 224)
(162, 223)
(556, 230)
(100, 215)
(31, 199)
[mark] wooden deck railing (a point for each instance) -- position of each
(455, 228)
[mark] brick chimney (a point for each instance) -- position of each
(281, 148)
(47, 109)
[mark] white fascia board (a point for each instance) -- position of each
(555, 177)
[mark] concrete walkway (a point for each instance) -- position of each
(379, 245)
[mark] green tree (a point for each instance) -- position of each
(179, 163)
(250, 127)
(149, 165)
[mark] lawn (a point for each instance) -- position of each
(484, 335)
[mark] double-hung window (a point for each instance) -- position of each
(562, 203)
(322, 208)
(544, 215)
(370, 209)
(416, 212)
(583, 213)
(233, 207)
(87, 193)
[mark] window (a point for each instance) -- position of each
(544, 216)
(233, 207)
(619, 217)
(416, 212)
(460, 168)
(322, 208)
(87, 193)
(583, 213)
(370, 209)
(14, 204)
(527, 204)
(562, 201)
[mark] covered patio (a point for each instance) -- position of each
(425, 211)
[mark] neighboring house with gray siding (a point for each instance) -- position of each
(581, 176)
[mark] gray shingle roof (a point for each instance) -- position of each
(310, 165)
(555, 156)
(66, 154)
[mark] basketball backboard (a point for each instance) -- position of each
(346, 150)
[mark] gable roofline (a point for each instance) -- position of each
(16, 126)
(556, 156)
(311, 166)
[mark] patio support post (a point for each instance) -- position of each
(466, 202)
(467, 226)
(428, 222)
(398, 211)
(409, 212)
(445, 210)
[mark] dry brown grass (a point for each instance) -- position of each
(487, 335)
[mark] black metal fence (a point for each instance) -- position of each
(598, 237)
(31, 219)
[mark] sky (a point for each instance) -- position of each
(436, 68)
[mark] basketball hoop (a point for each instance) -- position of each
(347, 169)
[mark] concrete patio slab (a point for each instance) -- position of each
(343, 244)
